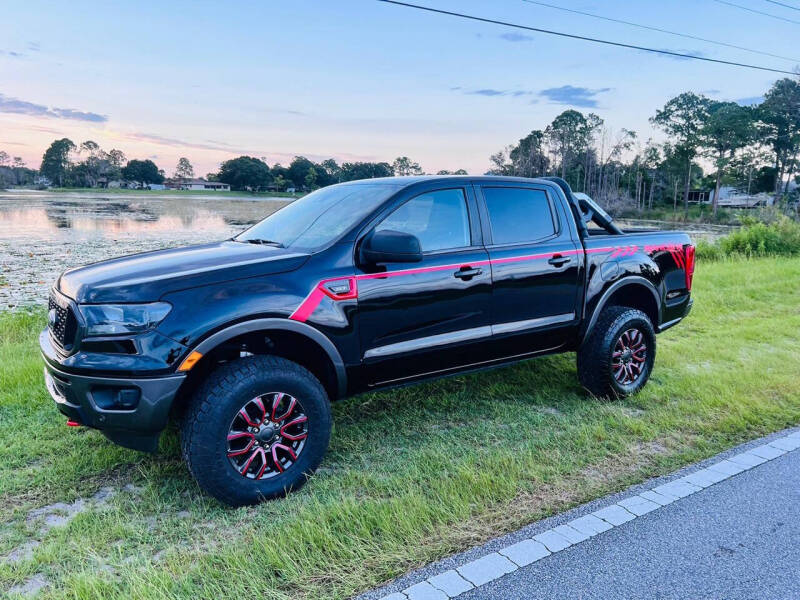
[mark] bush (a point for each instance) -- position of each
(755, 238)
(706, 251)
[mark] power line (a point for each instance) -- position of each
(782, 4)
(584, 38)
(658, 29)
(758, 12)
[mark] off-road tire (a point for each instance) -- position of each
(596, 354)
(205, 427)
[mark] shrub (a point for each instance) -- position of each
(706, 251)
(755, 238)
(759, 239)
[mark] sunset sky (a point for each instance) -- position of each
(356, 79)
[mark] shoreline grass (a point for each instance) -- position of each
(412, 474)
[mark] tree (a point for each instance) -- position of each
(780, 115)
(331, 170)
(311, 178)
(3, 158)
(728, 128)
(90, 147)
(529, 158)
(298, 171)
(56, 161)
(184, 169)
(91, 167)
(245, 173)
(682, 118)
(567, 135)
(365, 170)
(18, 162)
(143, 172)
(404, 166)
(117, 157)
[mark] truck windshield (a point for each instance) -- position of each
(319, 218)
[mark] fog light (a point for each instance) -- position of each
(106, 398)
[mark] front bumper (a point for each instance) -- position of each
(87, 399)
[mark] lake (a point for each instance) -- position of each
(42, 233)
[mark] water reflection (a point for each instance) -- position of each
(38, 215)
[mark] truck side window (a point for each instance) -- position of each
(439, 219)
(518, 215)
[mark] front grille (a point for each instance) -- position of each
(62, 323)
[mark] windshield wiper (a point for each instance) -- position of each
(262, 242)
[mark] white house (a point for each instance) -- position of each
(198, 185)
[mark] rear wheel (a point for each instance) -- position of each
(256, 429)
(617, 358)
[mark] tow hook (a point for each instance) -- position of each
(71, 423)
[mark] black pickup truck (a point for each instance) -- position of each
(355, 287)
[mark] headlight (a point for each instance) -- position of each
(115, 319)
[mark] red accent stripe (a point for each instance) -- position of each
(311, 302)
(308, 305)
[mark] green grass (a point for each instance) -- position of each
(411, 476)
(123, 191)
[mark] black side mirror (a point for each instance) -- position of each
(387, 246)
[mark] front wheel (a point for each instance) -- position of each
(617, 358)
(256, 429)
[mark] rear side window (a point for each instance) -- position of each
(518, 215)
(439, 219)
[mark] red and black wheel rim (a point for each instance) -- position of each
(629, 357)
(267, 435)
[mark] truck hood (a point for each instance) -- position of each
(146, 277)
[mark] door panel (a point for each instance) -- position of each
(419, 318)
(535, 297)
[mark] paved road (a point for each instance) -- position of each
(738, 539)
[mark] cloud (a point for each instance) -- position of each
(230, 149)
(573, 96)
(515, 37)
(750, 100)
(711, 92)
(23, 107)
(12, 54)
(161, 140)
(77, 115)
(490, 92)
(34, 46)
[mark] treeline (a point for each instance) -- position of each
(13, 171)
(250, 173)
(752, 148)
(67, 164)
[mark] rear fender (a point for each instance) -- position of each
(630, 281)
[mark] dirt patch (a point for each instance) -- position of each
(60, 514)
(23, 552)
(31, 586)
